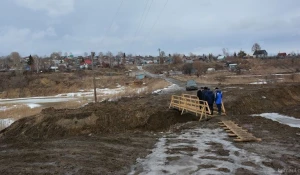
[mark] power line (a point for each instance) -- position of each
(113, 19)
(140, 23)
(147, 13)
(158, 17)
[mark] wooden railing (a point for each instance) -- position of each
(191, 103)
(201, 101)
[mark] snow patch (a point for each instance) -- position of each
(259, 82)
(4, 123)
(32, 105)
(3, 108)
(171, 88)
(283, 119)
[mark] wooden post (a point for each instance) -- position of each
(94, 79)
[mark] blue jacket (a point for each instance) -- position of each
(219, 97)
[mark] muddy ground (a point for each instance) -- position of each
(109, 137)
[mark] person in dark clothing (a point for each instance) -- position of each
(209, 96)
(203, 92)
(219, 97)
(199, 93)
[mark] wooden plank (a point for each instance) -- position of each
(241, 134)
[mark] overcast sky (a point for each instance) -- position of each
(142, 26)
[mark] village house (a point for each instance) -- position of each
(260, 54)
(282, 55)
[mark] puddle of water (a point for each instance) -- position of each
(290, 121)
(4, 123)
(188, 161)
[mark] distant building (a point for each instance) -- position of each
(232, 66)
(221, 57)
(282, 54)
(260, 54)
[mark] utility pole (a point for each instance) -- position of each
(94, 79)
(159, 61)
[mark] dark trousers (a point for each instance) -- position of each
(219, 108)
(211, 107)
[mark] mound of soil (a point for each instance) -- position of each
(138, 114)
(260, 99)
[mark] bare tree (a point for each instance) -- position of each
(163, 54)
(201, 67)
(256, 47)
(16, 58)
(59, 53)
(110, 56)
(225, 52)
(54, 55)
(241, 54)
(85, 54)
(177, 59)
(31, 62)
(192, 55)
(36, 59)
(187, 68)
(100, 54)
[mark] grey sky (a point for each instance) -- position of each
(198, 26)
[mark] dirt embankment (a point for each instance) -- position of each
(108, 137)
(256, 99)
(147, 113)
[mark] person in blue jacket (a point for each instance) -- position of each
(218, 99)
(209, 96)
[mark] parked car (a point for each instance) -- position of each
(191, 85)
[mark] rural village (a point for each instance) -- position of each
(50, 120)
(149, 87)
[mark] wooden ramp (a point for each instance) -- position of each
(234, 130)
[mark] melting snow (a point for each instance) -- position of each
(32, 105)
(188, 162)
(283, 119)
(259, 82)
(5, 123)
(171, 88)
(3, 108)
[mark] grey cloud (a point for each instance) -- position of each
(200, 26)
(52, 7)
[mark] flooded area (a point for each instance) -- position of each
(200, 151)
(290, 121)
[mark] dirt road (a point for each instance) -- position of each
(141, 135)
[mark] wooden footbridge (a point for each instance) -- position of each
(191, 104)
